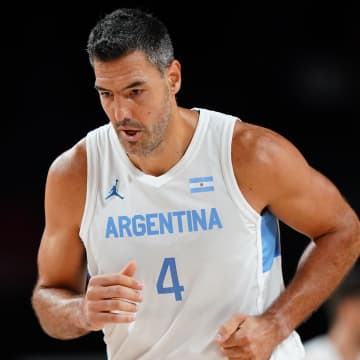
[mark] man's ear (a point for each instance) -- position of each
(174, 76)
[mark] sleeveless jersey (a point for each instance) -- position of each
(203, 252)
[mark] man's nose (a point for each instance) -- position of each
(121, 109)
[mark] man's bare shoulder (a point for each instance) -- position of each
(256, 140)
(259, 145)
(71, 162)
(66, 187)
(265, 163)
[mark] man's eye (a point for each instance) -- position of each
(104, 94)
(136, 91)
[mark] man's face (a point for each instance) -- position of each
(137, 99)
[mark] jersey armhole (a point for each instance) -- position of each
(91, 184)
(229, 175)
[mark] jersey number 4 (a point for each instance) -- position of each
(169, 268)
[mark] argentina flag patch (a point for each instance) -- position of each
(201, 184)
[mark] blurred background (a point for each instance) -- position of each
(293, 68)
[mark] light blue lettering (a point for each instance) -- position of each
(214, 219)
(199, 219)
(179, 215)
(124, 224)
(189, 220)
(111, 228)
(163, 223)
(138, 226)
(150, 224)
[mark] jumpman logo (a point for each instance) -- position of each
(113, 191)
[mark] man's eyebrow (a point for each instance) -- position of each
(99, 88)
(132, 85)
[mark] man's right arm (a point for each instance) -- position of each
(58, 295)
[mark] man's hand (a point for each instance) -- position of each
(112, 298)
(247, 337)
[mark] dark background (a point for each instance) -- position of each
(293, 68)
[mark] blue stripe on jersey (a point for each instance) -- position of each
(270, 239)
(202, 189)
(200, 179)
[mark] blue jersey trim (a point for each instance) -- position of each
(270, 239)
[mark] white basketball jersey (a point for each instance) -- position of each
(203, 252)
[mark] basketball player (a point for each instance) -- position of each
(162, 225)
